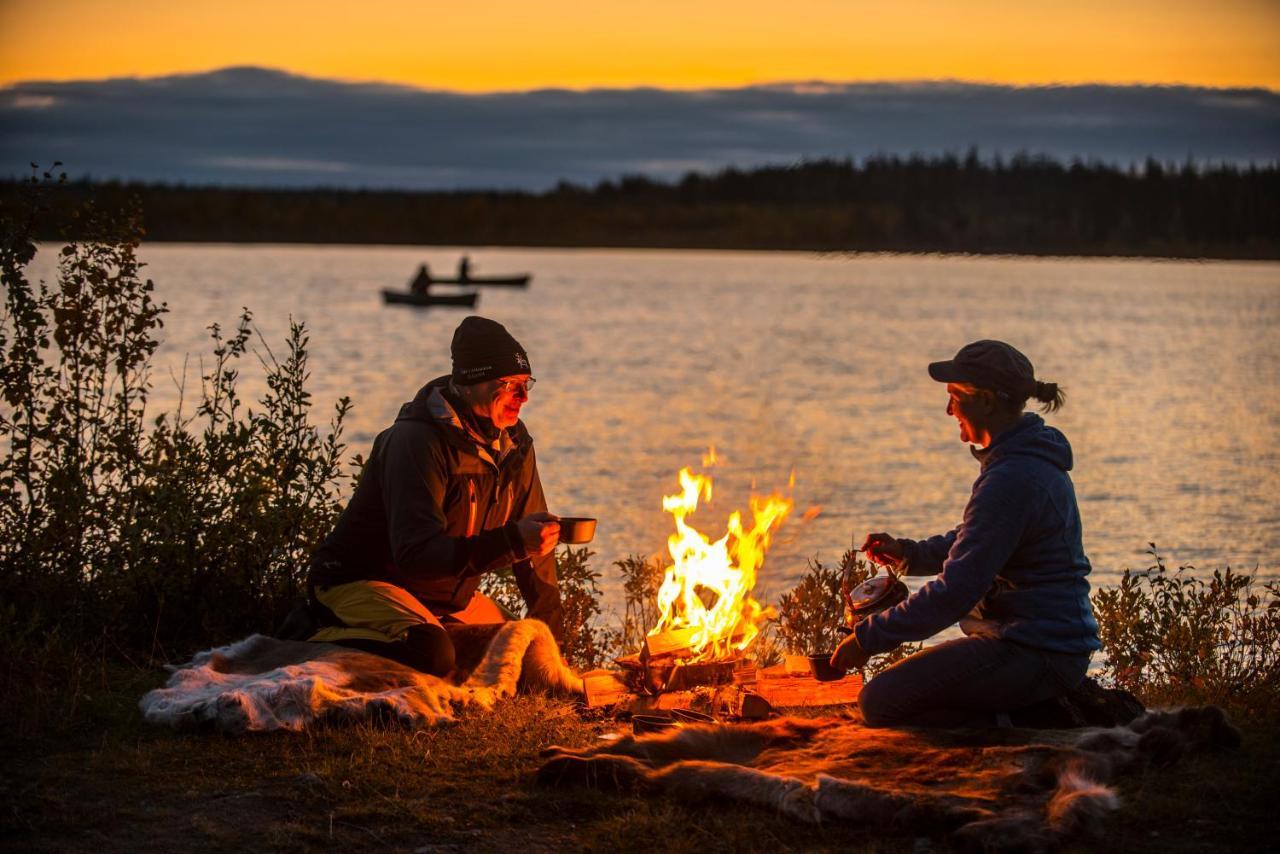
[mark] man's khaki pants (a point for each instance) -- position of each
(382, 612)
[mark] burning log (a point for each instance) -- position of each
(672, 642)
(693, 675)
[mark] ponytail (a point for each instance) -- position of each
(1050, 395)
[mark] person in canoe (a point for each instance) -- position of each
(422, 282)
(450, 492)
(464, 269)
(1013, 573)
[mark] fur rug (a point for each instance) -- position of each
(262, 683)
(1003, 790)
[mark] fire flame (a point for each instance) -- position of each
(708, 589)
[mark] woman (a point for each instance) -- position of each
(1013, 573)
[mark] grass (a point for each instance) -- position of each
(101, 779)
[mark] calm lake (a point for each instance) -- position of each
(806, 363)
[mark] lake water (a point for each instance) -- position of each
(806, 363)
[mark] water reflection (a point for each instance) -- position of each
(794, 361)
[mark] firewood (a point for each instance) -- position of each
(684, 676)
(807, 691)
(603, 688)
(723, 700)
(670, 642)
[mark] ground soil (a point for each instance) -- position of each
(97, 778)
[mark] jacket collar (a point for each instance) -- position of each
(1009, 438)
(432, 404)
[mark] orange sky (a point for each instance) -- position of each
(488, 45)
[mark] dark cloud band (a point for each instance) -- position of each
(259, 127)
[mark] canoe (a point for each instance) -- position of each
(488, 281)
(407, 298)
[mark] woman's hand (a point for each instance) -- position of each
(883, 549)
(539, 532)
(849, 655)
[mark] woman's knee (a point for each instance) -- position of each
(879, 701)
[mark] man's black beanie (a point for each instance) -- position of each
(483, 350)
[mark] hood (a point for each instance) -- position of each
(1030, 437)
(421, 408)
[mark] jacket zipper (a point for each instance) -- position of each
(471, 512)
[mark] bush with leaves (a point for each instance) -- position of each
(811, 614)
(152, 540)
(74, 381)
(1178, 637)
(641, 579)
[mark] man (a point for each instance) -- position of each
(450, 492)
(421, 283)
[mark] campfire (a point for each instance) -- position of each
(706, 610)
(708, 616)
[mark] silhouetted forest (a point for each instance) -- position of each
(1023, 205)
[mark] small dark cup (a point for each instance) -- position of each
(822, 670)
(642, 724)
(576, 530)
(689, 717)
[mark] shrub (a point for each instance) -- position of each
(1175, 637)
(74, 381)
(139, 539)
(811, 614)
(641, 579)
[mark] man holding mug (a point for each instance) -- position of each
(450, 492)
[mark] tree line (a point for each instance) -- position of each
(1021, 205)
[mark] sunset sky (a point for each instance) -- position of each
(518, 45)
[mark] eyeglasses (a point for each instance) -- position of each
(511, 386)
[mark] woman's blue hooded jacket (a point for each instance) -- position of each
(1016, 562)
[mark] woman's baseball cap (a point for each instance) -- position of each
(988, 364)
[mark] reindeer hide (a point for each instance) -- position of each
(261, 683)
(1000, 789)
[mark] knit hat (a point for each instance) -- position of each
(483, 349)
(992, 365)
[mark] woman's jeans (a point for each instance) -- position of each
(966, 682)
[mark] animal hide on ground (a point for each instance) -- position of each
(999, 789)
(262, 683)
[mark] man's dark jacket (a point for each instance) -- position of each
(436, 508)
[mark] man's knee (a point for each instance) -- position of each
(429, 649)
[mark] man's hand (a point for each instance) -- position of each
(849, 655)
(539, 532)
(883, 549)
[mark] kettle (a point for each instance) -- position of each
(875, 594)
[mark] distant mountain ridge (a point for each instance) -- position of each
(253, 126)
